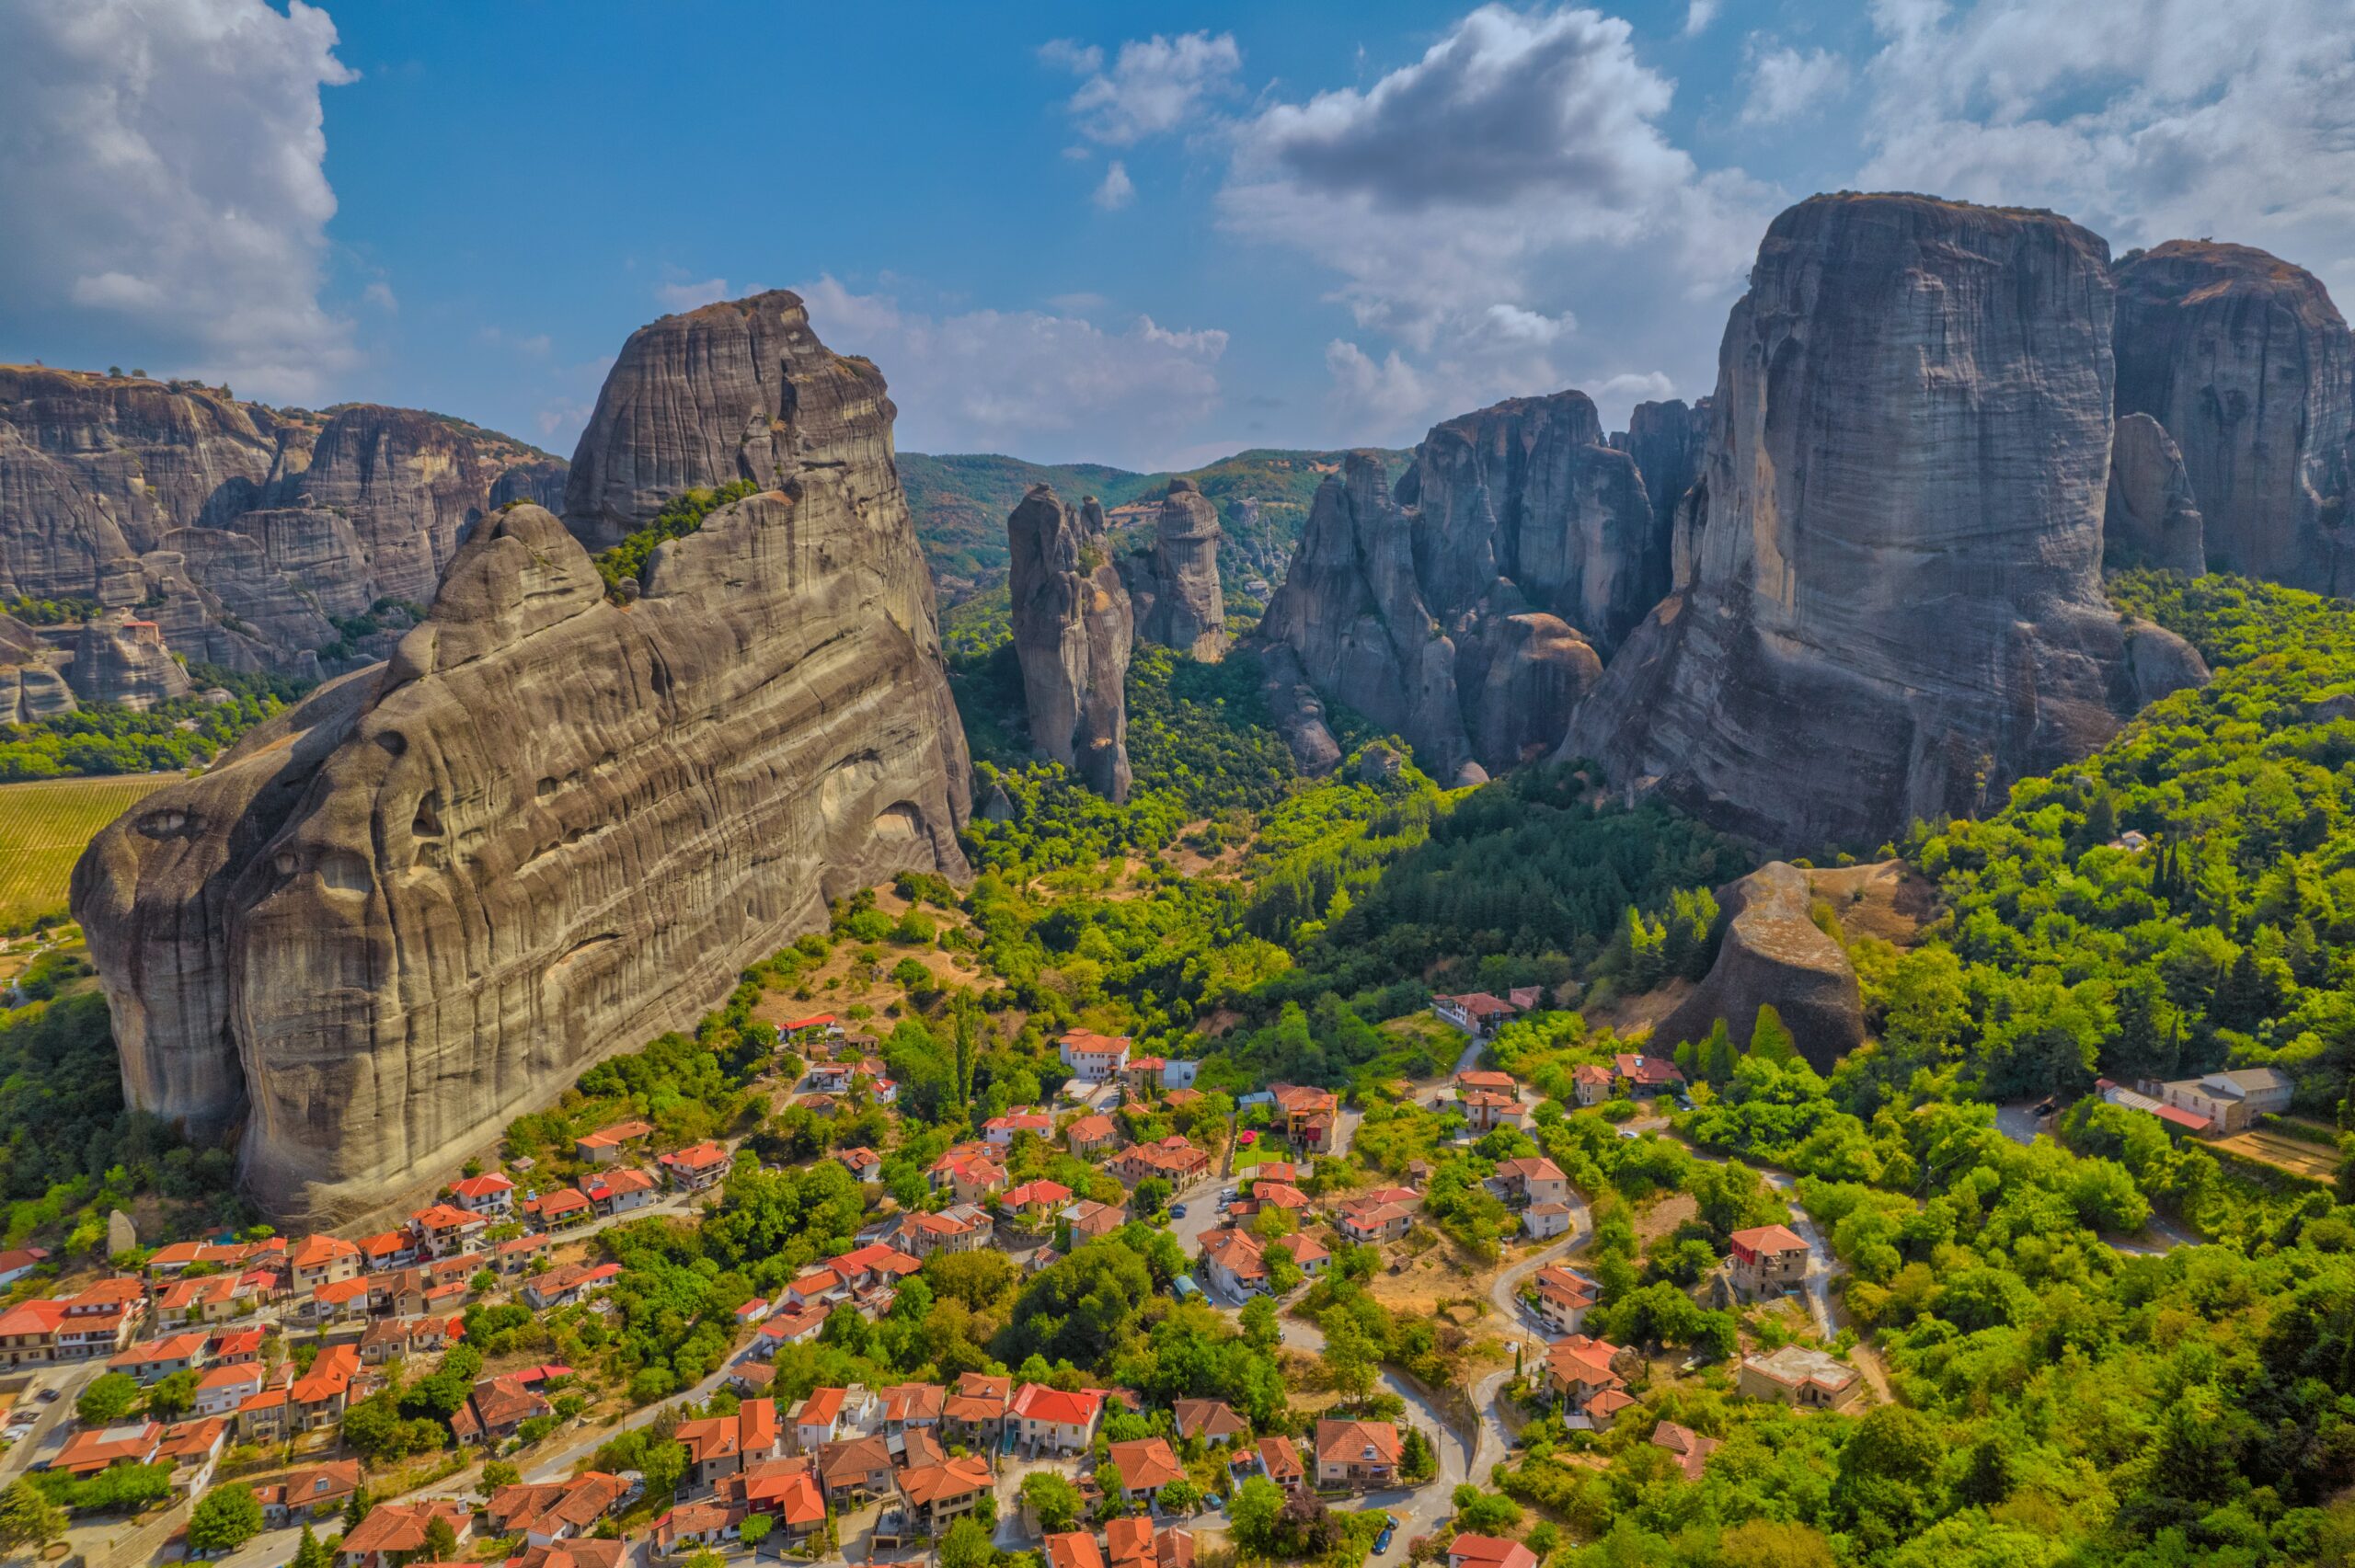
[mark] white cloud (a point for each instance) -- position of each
(380, 294)
(688, 296)
(2145, 120)
(1155, 85)
(1474, 205)
(1047, 386)
(1786, 84)
(1698, 16)
(1116, 191)
(161, 169)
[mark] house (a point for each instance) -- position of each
(1636, 1075)
(975, 1411)
(1091, 1134)
(1468, 1550)
(319, 1396)
(785, 1490)
(1001, 1131)
(268, 1417)
(495, 1407)
(1076, 1549)
(864, 1164)
(1054, 1419)
(1690, 1448)
(1578, 1369)
(1307, 1114)
(873, 1266)
(1311, 1254)
(790, 1326)
(313, 1493)
(563, 1287)
(1485, 1110)
(1488, 1078)
(1280, 1462)
(1531, 1179)
(818, 1420)
(490, 1192)
(852, 1467)
(321, 1260)
(1477, 1014)
(391, 1337)
(545, 1514)
(1591, 1082)
(94, 1449)
(1798, 1376)
(969, 1170)
(1034, 1203)
(1142, 1074)
(1089, 1219)
(446, 1229)
(1093, 1058)
(207, 1300)
(1172, 1159)
(223, 1388)
(1373, 1223)
(1565, 1297)
(1214, 1421)
(152, 1360)
(2174, 1116)
(696, 1526)
(697, 1168)
(18, 1262)
(389, 1249)
(621, 1190)
(1236, 1261)
(939, 1494)
(1767, 1261)
(29, 1333)
(607, 1144)
(2231, 1101)
(831, 1077)
(559, 1209)
(911, 1406)
(235, 1346)
(960, 1228)
(393, 1533)
(1545, 1221)
(1146, 1466)
(722, 1445)
(815, 1029)
(1362, 1455)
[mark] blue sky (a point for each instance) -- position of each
(1145, 234)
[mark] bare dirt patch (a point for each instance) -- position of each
(1664, 1217)
(2293, 1155)
(1629, 1016)
(1441, 1274)
(1887, 899)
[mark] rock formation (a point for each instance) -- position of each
(31, 686)
(119, 660)
(2151, 519)
(1894, 603)
(551, 827)
(1668, 442)
(242, 532)
(1074, 632)
(1773, 954)
(1174, 587)
(2247, 364)
(1465, 609)
(539, 481)
(694, 400)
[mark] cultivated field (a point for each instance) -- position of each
(2294, 1155)
(43, 827)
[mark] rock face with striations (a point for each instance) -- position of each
(1894, 603)
(2151, 519)
(1073, 632)
(1174, 587)
(1465, 609)
(1668, 442)
(2245, 362)
(1774, 955)
(551, 827)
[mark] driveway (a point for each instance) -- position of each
(1819, 1262)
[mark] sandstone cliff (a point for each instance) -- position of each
(1465, 609)
(1174, 587)
(2150, 518)
(1668, 442)
(1073, 632)
(552, 827)
(1773, 954)
(1894, 604)
(2247, 364)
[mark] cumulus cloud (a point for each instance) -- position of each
(1786, 84)
(2146, 120)
(1698, 16)
(1116, 191)
(1048, 386)
(380, 294)
(688, 296)
(1475, 204)
(162, 178)
(1155, 85)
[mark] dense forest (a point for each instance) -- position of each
(107, 737)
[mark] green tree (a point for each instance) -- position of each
(496, 1473)
(967, 1545)
(1053, 1499)
(1180, 1497)
(226, 1517)
(28, 1520)
(754, 1530)
(441, 1539)
(174, 1396)
(311, 1553)
(1253, 1513)
(109, 1397)
(1771, 1039)
(1262, 1330)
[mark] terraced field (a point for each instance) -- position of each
(44, 827)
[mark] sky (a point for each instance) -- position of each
(1146, 234)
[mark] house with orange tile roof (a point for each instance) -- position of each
(907, 1406)
(1280, 1461)
(1055, 1420)
(1579, 1370)
(1001, 1131)
(693, 1527)
(974, 1411)
(1074, 1549)
(940, 1493)
(321, 1259)
(1034, 1202)
(495, 1407)
(311, 1493)
(851, 1468)
(94, 1449)
(1485, 1110)
(1767, 1260)
(1145, 1466)
(698, 1168)
(1362, 1455)
(493, 1192)
(1093, 1058)
(390, 1249)
(574, 1282)
(1564, 1296)
(1091, 1134)
(393, 1533)
(152, 1360)
(1308, 1115)
(1468, 1550)
(723, 1445)
(223, 1388)
(1691, 1450)
(558, 1208)
(553, 1511)
(1369, 1223)
(972, 1170)
(608, 1144)
(445, 1230)
(1171, 1158)
(1531, 1179)
(1591, 1082)
(784, 1490)
(320, 1395)
(621, 1190)
(29, 1333)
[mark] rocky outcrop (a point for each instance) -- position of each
(539, 481)
(1773, 954)
(119, 660)
(31, 686)
(1174, 587)
(694, 400)
(242, 532)
(1894, 605)
(1668, 442)
(2151, 519)
(1073, 632)
(2246, 362)
(2159, 663)
(551, 827)
(1465, 609)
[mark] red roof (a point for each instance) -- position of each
(1038, 1192)
(2181, 1117)
(816, 1020)
(487, 1185)
(1766, 1239)
(703, 1156)
(1036, 1401)
(443, 1217)
(1490, 1551)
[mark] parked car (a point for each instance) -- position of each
(48, 1396)
(1382, 1541)
(1228, 1195)
(1176, 1211)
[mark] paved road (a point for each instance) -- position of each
(1820, 1264)
(55, 1423)
(1419, 1509)
(1504, 1295)
(556, 1464)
